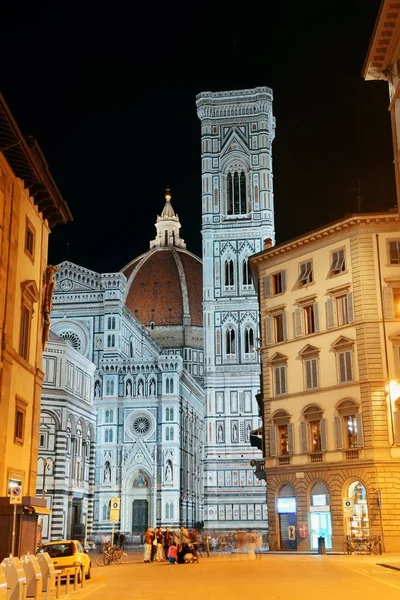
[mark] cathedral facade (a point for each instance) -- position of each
(173, 343)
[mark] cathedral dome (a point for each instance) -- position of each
(164, 289)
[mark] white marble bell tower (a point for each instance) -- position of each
(237, 130)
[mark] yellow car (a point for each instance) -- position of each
(66, 555)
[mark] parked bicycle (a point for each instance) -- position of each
(362, 546)
(109, 554)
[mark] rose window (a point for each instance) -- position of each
(141, 425)
(71, 338)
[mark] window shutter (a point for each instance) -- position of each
(342, 367)
(284, 326)
(314, 372)
(297, 322)
(304, 436)
(349, 366)
(272, 441)
(316, 317)
(283, 379)
(283, 280)
(360, 432)
(267, 286)
(338, 432)
(388, 302)
(269, 330)
(330, 317)
(396, 419)
(290, 437)
(308, 375)
(323, 434)
(350, 308)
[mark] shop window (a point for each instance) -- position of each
(357, 523)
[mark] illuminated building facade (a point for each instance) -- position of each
(31, 205)
(330, 351)
(237, 130)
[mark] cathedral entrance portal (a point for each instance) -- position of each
(140, 515)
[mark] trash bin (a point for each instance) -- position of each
(15, 575)
(48, 571)
(321, 545)
(33, 575)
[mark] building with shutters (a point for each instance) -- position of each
(330, 352)
(30, 206)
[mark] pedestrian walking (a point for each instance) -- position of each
(149, 538)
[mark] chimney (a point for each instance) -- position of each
(267, 243)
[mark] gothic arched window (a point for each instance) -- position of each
(229, 280)
(246, 273)
(171, 434)
(167, 385)
(230, 341)
(107, 416)
(236, 193)
(171, 414)
(248, 340)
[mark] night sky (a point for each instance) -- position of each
(109, 92)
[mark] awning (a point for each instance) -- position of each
(39, 510)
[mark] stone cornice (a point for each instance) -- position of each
(325, 232)
(382, 52)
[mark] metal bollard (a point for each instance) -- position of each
(321, 545)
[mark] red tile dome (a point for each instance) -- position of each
(165, 287)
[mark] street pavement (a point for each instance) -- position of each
(284, 576)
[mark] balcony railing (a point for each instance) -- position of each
(350, 454)
(283, 460)
(317, 457)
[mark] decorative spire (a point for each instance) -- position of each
(168, 211)
(168, 226)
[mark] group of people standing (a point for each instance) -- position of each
(171, 544)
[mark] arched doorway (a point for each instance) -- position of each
(140, 503)
(320, 515)
(356, 511)
(286, 507)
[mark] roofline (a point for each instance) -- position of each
(327, 230)
(386, 24)
(28, 163)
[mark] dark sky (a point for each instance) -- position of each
(108, 89)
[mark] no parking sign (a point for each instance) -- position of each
(16, 494)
